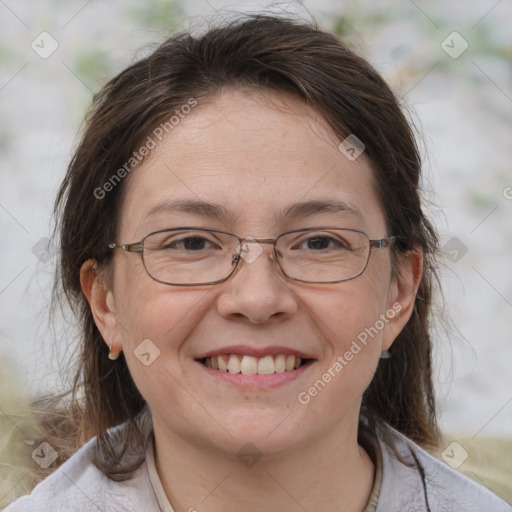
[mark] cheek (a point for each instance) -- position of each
(153, 321)
(164, 316)
(147, 309)
(349, 318)
(346, 311)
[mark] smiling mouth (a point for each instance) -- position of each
(249, 365)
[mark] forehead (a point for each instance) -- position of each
(257, 160)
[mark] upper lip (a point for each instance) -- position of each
(256, 352)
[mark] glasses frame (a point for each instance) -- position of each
(138, 247)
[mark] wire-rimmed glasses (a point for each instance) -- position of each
(193, 256)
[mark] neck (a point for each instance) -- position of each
(331, 474)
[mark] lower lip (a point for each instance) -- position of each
(271, 381)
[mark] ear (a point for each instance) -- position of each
(102, 304)
(402, 294)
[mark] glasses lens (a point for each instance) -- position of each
(324, 255)
(190, 256)
(195, 256)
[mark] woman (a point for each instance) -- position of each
(243, 241)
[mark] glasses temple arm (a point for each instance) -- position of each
(136, 247)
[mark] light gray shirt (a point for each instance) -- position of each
(427, 486)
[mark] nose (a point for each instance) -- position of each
(258, 290)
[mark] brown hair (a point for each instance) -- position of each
(267, 53)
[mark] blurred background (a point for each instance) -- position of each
(450, 63)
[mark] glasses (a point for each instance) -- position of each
(190, 256)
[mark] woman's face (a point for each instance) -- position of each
(255, 160)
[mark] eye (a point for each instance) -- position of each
(323, 241)
(188, 242)
(191, 243)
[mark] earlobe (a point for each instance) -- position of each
(102, 304)
(402, 292)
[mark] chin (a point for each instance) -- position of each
(263, 433)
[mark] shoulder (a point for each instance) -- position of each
(79, 485)
(429, 484)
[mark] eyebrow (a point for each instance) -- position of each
(307, 208)
(216, 211)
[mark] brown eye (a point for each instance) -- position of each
(191, 243)
(322, 242)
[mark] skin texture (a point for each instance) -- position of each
(254, 155)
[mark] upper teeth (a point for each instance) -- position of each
(249, 365)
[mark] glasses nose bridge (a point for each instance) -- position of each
(246, 240)
(259, 240)
(253, 240)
